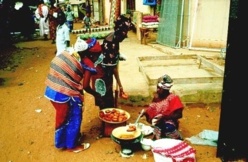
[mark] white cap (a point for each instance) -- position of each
(80, 45)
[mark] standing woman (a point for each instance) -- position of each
(64, 88)
(52, 18)
(107, 70)
(90, 61)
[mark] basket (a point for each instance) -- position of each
(172, 150)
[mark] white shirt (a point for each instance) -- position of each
(62, 35)
(44, 10)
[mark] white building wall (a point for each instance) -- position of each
(145, 9)
(209, 23)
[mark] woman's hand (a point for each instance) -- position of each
(123, 94)
(156, 119)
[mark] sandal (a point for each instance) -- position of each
(82, 147)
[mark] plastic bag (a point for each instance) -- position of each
(209, 135)
(206, 137)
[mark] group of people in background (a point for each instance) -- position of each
(49, 21)
(26, 17)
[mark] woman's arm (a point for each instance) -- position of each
(117, 77)
(86, 84)
(122, 94)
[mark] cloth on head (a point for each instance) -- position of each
(165, 82)
(80, 45)
(122, 23)
(93, 45)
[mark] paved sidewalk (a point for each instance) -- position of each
(133, 81)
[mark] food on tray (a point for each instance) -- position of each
(131, 128)
(113, 115)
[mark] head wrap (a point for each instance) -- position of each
(165, 82)
(80, 45)
(93, 45)
(95, 48)
(122, 23)
(122, 26)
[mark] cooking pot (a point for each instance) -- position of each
(121, 134)
(127, 140)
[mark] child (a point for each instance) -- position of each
(69, 17)
(87, 23)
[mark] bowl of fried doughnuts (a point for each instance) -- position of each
(114, 115)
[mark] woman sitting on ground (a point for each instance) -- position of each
(165, 110)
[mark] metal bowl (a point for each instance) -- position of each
(113, 111)
(146, 144)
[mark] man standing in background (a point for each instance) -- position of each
(41, 13)
(62, 34)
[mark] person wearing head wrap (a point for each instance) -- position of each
(111, 44)
(89, 63)
(165, 110)
(64, 88)
(111, 57)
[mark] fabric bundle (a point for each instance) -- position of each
(173, 150)
(149, 18)
(149, 21)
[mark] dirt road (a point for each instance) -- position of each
(27, 118)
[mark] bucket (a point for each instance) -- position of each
(172, 150)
